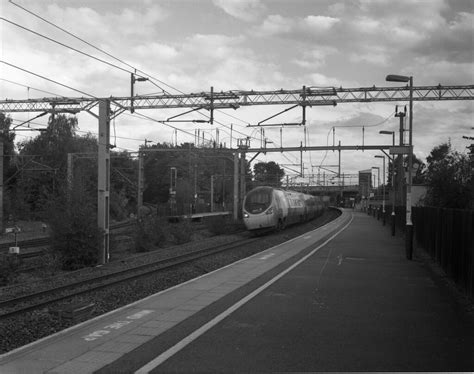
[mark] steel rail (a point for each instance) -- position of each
(143, 270)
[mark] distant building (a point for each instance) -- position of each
(365, 182)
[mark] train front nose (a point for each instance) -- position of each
(257, 221)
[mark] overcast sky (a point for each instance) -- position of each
(192, 45)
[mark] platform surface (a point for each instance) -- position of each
(340, 298)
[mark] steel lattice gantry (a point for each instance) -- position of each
(305, 97)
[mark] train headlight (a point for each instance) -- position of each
(269, 211)
(246, 215)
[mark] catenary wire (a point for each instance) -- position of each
(48, 79)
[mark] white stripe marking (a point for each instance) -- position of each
(267, 256)
(307, 237)
(196, 334)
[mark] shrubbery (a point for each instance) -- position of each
(9, 264)
(222, 225)
(74, 233)
(152, 231)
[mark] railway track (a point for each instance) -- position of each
(44, 241)
(39, 300)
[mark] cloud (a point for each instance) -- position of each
(244, 10)
(318, 23)
(452, 41)
(314, 58)
(296, 27)
(275, 25)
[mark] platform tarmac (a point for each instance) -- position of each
(340, 298)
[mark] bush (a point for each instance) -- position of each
(181, 232)
(74, 233)
(9, 264)
(221, 226)
(150, 231)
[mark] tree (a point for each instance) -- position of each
(268, 173)
(8, 139)
(417, 178)
(448, 178)
(46, 159)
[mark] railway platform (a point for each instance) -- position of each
(340, 298)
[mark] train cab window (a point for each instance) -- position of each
(258, 201)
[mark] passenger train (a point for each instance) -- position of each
(272, 208)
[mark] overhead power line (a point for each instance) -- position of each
(31, 88)
(66, 46)
(111, 56)
(48, 79)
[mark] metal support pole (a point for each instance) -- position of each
(301, 160)
(141, 180)
(409, 223)
(242, 177)
(393, 188)
(236, 186)
(383, 191)
(70, 171)
(212, 193)
(104, 179)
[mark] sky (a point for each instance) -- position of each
(190, 45)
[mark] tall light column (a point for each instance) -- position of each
(409, 223)
(383, 188)
(393, 180)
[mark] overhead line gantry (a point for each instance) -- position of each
(305, 97)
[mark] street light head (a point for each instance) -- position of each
(378, 156)
(397, 78)
(386, 132)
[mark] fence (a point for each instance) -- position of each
(447, 235)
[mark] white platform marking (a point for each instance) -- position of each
(267, 256)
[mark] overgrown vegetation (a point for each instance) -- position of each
(74, 233)
(152, 231)
(448, 177)
(220, 225)
(9, 265)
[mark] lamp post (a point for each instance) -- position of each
(409, 223)
(383, 188)
(393, 180)
(378, 185)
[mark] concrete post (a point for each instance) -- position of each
(141, 181)
(236, 186)
(104, 179)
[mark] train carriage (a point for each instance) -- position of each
(272, 208)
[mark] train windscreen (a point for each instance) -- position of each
(258, 201)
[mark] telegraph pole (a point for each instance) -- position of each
(103, 196)
(141, 180)
(236, 185)
(399, 184)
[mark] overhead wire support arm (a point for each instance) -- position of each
(172, 119)
(260, 124)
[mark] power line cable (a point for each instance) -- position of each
(32, 88)
(48, 79)
(108, 54)
(66, 46)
